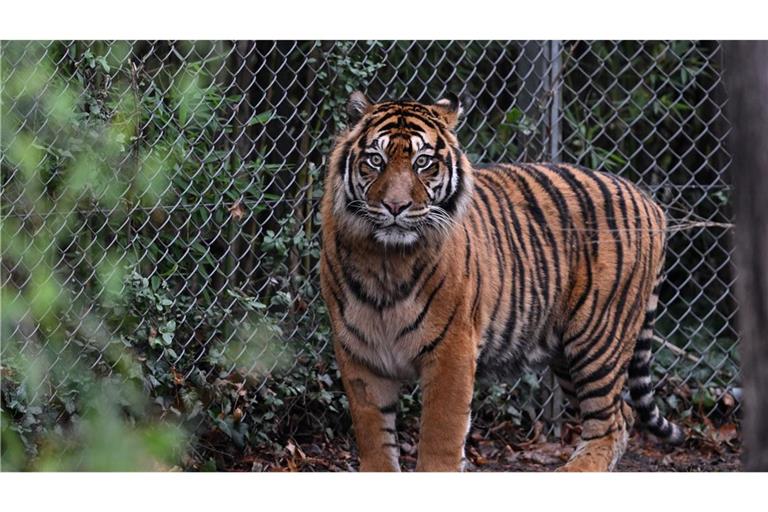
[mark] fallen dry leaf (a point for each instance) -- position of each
(726, 433)
(543, 459)
(178, 379)
(570, 433)
(236, 210)
(728, 401)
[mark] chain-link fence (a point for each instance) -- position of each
(159, 199)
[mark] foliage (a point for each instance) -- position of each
(72, 399)
(159, 230)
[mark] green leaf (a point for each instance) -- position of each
(262, 118)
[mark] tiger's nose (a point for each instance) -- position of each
(396, 207)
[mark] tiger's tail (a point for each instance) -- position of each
(640, 386)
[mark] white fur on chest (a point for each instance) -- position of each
(383, 349)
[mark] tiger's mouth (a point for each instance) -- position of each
(395, 235)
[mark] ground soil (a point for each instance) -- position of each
(708, 448)
(642, 454)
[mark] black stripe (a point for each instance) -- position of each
(478, 285)
(469, 252)
(603, 390)
(342, 168)
(539, 287)
(402, 291)
(638, 391)
(610, 430)
(650, 317)
(496, 242)
(555, 195)
(450, 203)
(589, 219)
(537, 214)
(586, 203)
(426, 279)
(364, 363)
(355, 331)
(638, 368)
(420, 318)
(429, 347)
(621, 320)
(600, 414)
(586, 331)
(389, 409)
(518, 266)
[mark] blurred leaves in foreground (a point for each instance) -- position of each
(72, 394)
(91, 376)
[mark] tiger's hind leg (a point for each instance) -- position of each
(559, 367)
(597, 375)
(603, 452)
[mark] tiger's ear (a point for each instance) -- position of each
(357, 106)
(450, 109)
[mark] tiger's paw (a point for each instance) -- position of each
(597, 454)
(583, 465)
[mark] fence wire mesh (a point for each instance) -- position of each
(193, 170)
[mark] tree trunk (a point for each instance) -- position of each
(747, 81)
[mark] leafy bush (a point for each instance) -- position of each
(160, 229)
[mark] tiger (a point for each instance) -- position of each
(434, 270)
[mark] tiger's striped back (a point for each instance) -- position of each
(563, 242)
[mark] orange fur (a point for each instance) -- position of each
(525, 264)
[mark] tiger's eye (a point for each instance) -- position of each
(375, 160)
(422, 161)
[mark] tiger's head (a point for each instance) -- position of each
(398, 175)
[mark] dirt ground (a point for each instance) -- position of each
(708, 449)
(642, 455)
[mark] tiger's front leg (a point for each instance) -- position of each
(447, 381)
(373, 404)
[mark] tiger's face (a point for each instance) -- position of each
(403, 177)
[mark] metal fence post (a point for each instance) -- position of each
(555, 114)
(555, 404)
